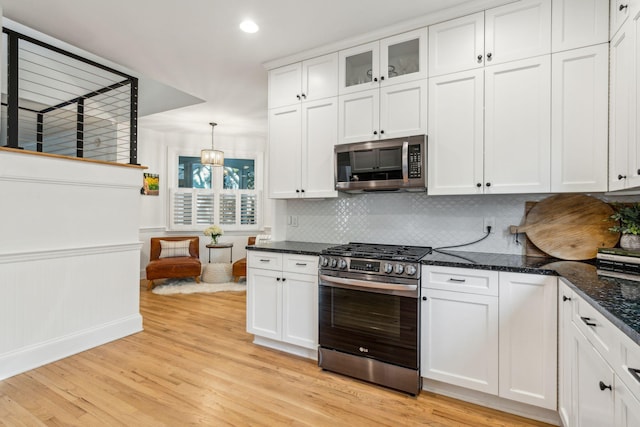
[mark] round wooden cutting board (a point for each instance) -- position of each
(570, 226)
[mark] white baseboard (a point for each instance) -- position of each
(287, 348)
(491, 401)
(25, 359)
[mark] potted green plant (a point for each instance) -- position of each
(628, 217)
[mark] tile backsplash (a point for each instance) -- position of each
(413, 219)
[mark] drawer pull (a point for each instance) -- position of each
(565, 298)
(265, 260)
(603, 386)
(587, 322)
(634, 373)
(301, 264)
(451, 279)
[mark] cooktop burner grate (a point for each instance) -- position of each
(379, 251)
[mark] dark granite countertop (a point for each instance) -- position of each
(617, 299)
(300, 248)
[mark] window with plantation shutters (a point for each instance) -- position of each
(200, 195)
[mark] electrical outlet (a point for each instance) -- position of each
(289, 219)
(294, 220)
(489, 222)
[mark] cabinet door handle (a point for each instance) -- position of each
(623, 7)
(298, 96)
(565, 298)
(265, 260)
(622, 177)
(634, 373)
(489, 55)
(587, 322)
(301, 264)
(479, 59)
(304, 96)
(603, 386)
(451, 279)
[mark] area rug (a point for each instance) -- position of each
(189, 286)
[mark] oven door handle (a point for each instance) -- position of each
(367, 284)
(405, 162)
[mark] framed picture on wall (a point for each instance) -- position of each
(151, 184)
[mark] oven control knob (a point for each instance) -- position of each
(324, 261)
(399, 268)
(334, 262)
(411, 270)
(342, 263)
(388, 268)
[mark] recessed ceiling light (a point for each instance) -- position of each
(248, 26)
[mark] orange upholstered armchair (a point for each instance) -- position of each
(176, 256)
(240, 266)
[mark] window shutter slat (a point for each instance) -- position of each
(248, 209)
(228, 209)
(182, 208)
(205, 208)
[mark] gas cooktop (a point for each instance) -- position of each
(379, 251)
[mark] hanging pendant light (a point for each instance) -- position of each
(212, 157)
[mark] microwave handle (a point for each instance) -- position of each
(405, 162)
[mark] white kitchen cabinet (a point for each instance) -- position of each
(565, 356)
(593, 400)
(579, 119)
(489, 129)
(456, 133)
(507, 33)
(310, 80)
(528, 339)
(282, 300)
(301, 141)
(397, 59)
(620, 10)
(579, 23)
(627, 408)
(389, 112)
(460, 327)
(517, 126)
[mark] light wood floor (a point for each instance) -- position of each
(195, 364)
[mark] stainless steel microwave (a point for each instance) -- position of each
(397, 164)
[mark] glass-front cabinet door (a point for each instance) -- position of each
(403, 57)
(396, 59)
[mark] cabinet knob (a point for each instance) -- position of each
(381, 131)
(603, 386)
(479, 59)
(375, 79)
(478, 185)
(302, 191)
(284, 279)
(488, 184)
(304, 96)
(489, 55)
(278, 279)
(622, 177)
(623, 7)
(424, 298)
(298, 96)
(375, 132)
(565, 298)
(381, 78)
(297, 191)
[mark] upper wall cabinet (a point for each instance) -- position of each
(502, 34)
(579, 23)
(398, 59)
(309, 80)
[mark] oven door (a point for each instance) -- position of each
(370, 319)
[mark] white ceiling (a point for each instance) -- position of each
(196, 47)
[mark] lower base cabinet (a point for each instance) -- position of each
(593, 392)
(282, 298)
(491, 332)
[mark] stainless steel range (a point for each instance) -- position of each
(369, 313)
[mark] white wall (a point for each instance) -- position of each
(68, 257)
(152, 152)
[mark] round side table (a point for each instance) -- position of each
(221, 246)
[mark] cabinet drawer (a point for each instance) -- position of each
(628, 365)
(264, 260)
(303, 264)
(467, 280)
(601, 333)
